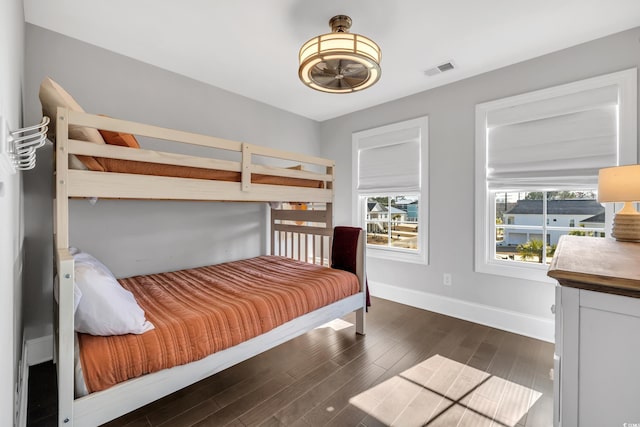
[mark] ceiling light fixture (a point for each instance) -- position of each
(339, 62)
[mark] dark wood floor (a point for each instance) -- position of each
(413, 367)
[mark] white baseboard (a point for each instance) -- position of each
(523, 324)
(39, 350)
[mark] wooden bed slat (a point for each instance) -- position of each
(131, 186)
(318, 231)
(151, 156)
(108, 123)
(291, 173)
(287, 155)
(298, 215)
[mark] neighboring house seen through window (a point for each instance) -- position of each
(538, 219)
(537, 162)
(392, 221)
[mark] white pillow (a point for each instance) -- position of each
(106, 308)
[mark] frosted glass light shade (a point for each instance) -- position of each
(339, 62)
(622, 184)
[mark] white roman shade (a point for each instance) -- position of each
(390, 167)
(390, 162)
(554, 143)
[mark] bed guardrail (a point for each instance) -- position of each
(302, 234)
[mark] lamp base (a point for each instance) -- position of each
(626, 228)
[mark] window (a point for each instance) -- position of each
(392, 221)
(389, 174)
(521, 240)
(537, 162)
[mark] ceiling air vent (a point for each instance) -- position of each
(440, 68)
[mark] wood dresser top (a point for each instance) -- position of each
(597, 264)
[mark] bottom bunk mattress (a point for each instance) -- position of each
(199, 311)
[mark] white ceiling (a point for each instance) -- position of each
(250, 47)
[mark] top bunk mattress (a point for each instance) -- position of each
(178, 171)
(199, 311)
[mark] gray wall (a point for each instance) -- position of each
(138, 237)
(451, 111)
(11, 235)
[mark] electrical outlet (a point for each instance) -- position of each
(446, 279)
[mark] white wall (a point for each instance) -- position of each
(137, 237)
(499, 300)
(11, 76)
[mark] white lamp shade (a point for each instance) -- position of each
(619, 184)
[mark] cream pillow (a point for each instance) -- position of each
(52, 96)
(106, 308)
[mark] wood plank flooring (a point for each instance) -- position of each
(413, 368)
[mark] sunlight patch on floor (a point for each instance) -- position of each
(336, 325)
(439, 391)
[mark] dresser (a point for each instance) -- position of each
(597, 311)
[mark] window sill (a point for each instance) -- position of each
(397, 255)
(532, 271)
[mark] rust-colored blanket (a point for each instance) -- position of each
(159, 169)
(199, 311)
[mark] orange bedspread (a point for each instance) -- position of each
(159, 169)
(199, 311)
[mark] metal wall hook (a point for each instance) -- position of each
(24, 142)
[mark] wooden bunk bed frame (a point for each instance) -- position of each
(290, 236)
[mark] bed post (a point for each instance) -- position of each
(361, 272)
(64, 344)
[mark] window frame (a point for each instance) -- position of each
(359, 197)
(626, 81)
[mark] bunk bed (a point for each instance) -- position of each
(302, 236)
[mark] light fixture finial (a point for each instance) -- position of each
(340, 24)
(339, 62)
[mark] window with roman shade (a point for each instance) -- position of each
(537, 160)
(389, 175)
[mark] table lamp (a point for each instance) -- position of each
(622, 184)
